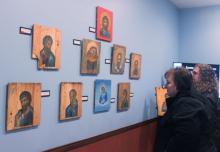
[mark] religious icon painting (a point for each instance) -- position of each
(46, 47)
(104, 24)
(135, 66)
(123, 96)
(161, 94)
(90, 57)
(118, 59)
(102, 95)
(23, 105)
(70, 100)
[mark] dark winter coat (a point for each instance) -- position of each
(210, 100)
(183, 127)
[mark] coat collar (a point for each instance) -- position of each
(171, 100)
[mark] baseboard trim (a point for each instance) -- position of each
(94, 139)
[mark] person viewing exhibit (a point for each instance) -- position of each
(183, 128)
(92, 69)
(205, 85)
(205, 81)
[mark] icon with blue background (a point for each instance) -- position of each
(102, 95)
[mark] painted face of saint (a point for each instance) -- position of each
(105, 22)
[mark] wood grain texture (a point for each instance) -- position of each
(39, 33)
(161, 100)
(135, 66)
(118, 56)
(65, 88)
(90, 57)
(14, 103)
(123, 96)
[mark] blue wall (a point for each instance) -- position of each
(200, 35)
(148, 27)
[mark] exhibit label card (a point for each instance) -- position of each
(45, 93)
(107, 61)
(92, 29)
(127, 60)
(112, 100)
(26, 31)
(85, 98)
(76, 42)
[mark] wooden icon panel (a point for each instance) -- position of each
(70, 100)
(123, 96)
(104, 24)
(102, 95)
(135, 66)
(118, 59)
(46, 47)
(23, 105)
(161, 100)
(90, 57)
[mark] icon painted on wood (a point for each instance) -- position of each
(90, 59)
(46, 47)
(104, 24)
(70, 100)
(135, 66)
(123, 96)
(23, 105)
(161, 94)
(118, 59)
(102, 95)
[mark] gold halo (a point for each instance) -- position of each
(91, 44)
